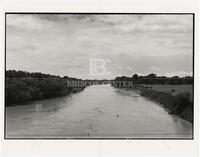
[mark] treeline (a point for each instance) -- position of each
(154, 79)
(24, 74)
(25, 86)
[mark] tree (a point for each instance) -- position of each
(135, 77)
(11, 92)
(24, 86)
(23, 96)
(35, 93)
(152, 75)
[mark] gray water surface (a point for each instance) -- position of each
(99, 111)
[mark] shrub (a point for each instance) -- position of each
(179, 104)
(167, 100)
(181, 101)
(23, 96)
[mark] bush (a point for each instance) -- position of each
(23, 96)
(167, 100)
(188, 113)
(152, 94)
(35, 93)
(181, 101)
(179, 104)
(22, 90)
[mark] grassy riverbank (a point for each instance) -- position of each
(179, 104)
(173, 89)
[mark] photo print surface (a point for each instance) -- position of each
(99, 76)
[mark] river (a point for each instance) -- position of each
(99, 111)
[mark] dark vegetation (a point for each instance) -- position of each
(179, 104)
(154, 79)
(24, 86)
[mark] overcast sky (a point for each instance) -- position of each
(64, 44)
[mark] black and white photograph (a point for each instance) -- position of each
(99, 76)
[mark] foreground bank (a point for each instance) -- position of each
(179, 104)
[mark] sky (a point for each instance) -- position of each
(72, 44)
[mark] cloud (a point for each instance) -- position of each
(129, 68)
(64, 43)
(179, 73)
(23, 22)
(119, 67)
(154, 69)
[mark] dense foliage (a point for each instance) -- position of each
(154, 79)
(24, 86)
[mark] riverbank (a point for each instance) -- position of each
(176, 98)
(179, 104)
(172, 89)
